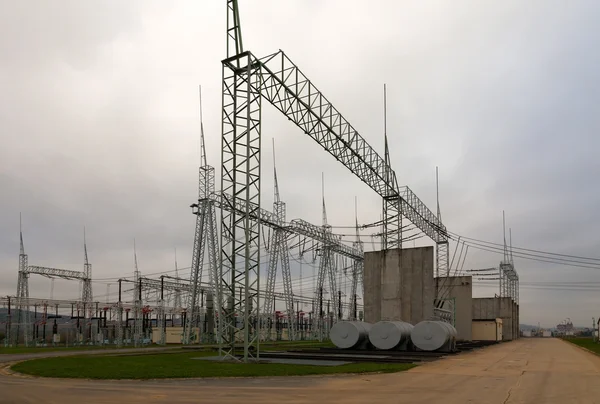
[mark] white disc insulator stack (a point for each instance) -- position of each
(349, 334)
(432, 335)
(390, 334)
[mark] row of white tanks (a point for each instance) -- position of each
(398, 335)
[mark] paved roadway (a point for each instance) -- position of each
(526, 371)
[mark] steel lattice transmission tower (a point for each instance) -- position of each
(86, 295)
(279, 81)
(23, 313)
(442, 250)
(392, 208)
(205, 238)
(327, 268)
(137, 302)
(357, 271)
(240, 177)
(279, 254)
(177, 293)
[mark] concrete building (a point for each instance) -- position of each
(490, 308)
(487, 330)
(459, 289)
(399, 285)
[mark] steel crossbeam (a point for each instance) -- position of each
(56, 273)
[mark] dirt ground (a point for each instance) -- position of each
(526, 371)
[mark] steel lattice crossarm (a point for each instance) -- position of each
(225, 201)
(56, 273)
(50, 302)
(297, 226)
(291, 92)
(168, 285)
(417, 212)
(304, 228)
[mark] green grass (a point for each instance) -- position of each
(587, 343)
(179, 365)
(26, 350)
(267, 346)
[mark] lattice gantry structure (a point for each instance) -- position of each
(137, 302)
(246, 81)
(357, 273)
(87, 295)
(22, 299)
(327, 268)
(205, 238)
(279, 254)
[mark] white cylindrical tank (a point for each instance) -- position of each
(349, 334)
(390, 334)
(432, 335)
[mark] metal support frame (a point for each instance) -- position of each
(205, 238)
(278, 80)
(240, 176)
(87, 295)
(22, 297)
(137, 303)
(279, 254)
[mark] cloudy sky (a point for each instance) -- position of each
(99, 127)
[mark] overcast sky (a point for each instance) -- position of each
(99, 126)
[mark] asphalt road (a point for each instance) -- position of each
(526, 371)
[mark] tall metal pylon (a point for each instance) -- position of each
(442, 248)
(86, 294)
(23, 313)
(119, 319)
(137, 302)
(160, 314)
(177, 293)
(357, 270)
(327, 267)
(246, 81)
(279, 253)
(240, 177)
(205, 238)
(392, 208)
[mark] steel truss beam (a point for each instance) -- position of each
(296, 226)
(292, 93)
(56, 273)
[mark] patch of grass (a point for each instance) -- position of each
(26, 350)
(180, 365)
(587, 343)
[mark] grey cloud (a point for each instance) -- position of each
(99, 124)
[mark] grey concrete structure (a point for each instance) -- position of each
(460, 290)
(489, 308)
(399, 285)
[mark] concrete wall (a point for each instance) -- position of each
(399, 285)
(459, 288)
(488, 308)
